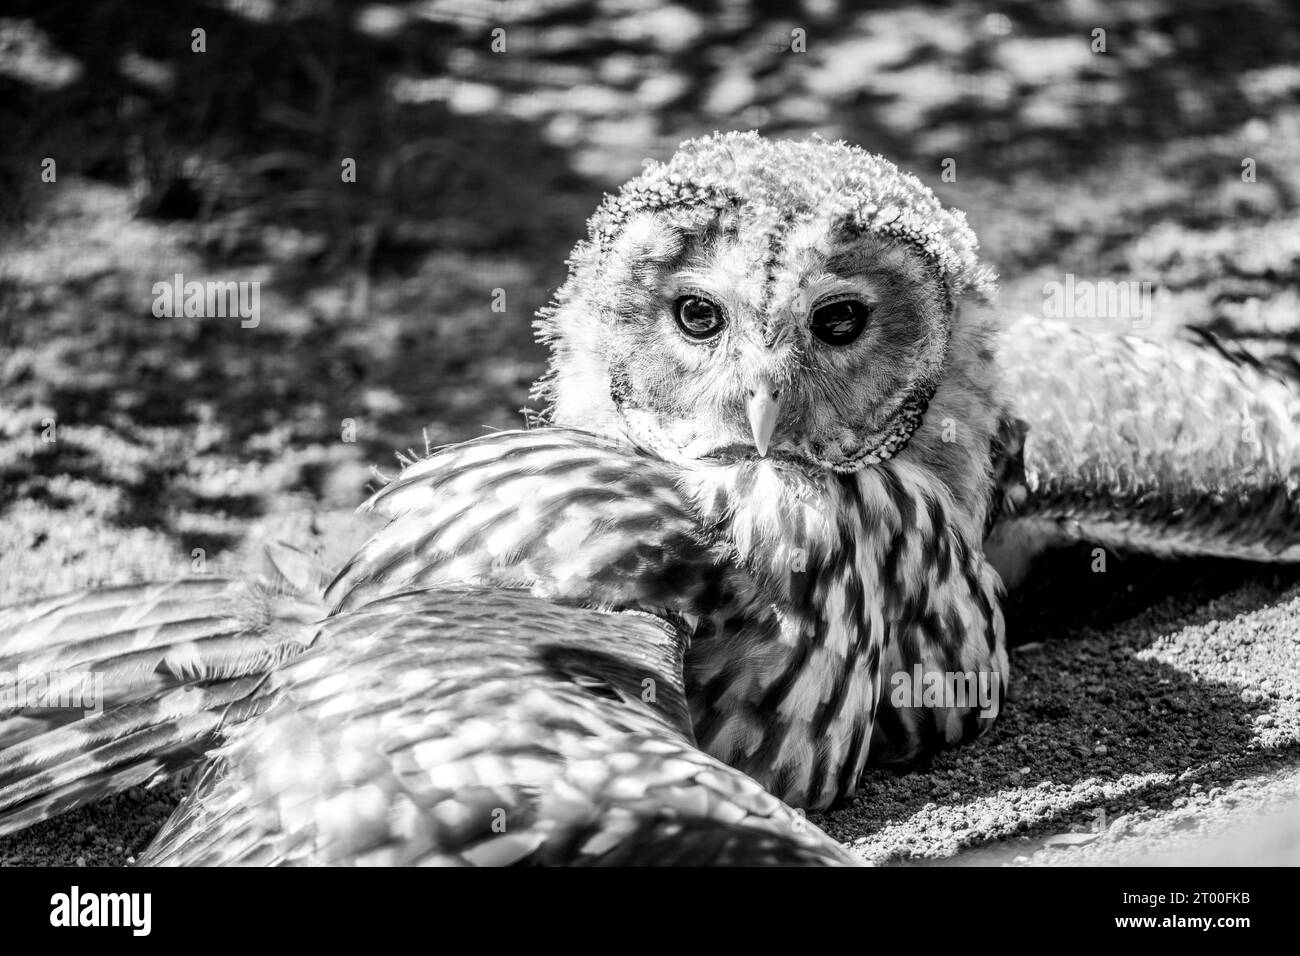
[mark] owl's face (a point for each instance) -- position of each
(821, 352)
(751, 300)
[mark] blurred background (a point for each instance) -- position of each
(128, 441)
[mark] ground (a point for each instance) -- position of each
(1155, 709)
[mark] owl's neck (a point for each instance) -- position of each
(851, 579)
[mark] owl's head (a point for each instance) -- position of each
(751, 299)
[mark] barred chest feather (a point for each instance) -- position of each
(852, 580)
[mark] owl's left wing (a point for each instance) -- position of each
(1179, 447)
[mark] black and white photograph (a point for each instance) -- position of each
(629, 433)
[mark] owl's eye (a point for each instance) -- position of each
(698, 317)
(839, 323)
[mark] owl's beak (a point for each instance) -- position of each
(764, 406)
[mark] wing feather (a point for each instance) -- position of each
(123, 686)
(570, 515)
(1176, 447)
(482, 727)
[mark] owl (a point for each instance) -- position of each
(756, 539)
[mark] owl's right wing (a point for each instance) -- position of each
(482, 727)
(1178, 447)
(489, 690)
